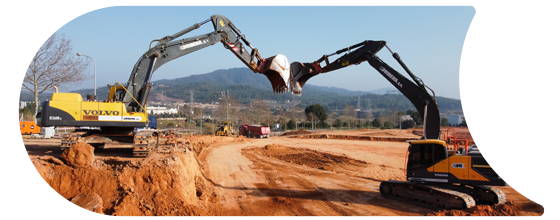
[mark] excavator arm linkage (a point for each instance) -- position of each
(415, 91)
(168, 48)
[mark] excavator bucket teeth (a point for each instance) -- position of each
(277, 70)
(301, 72)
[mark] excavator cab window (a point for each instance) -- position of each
(420, 156)
(423, 156)
(440, 153)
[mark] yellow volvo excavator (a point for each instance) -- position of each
(438, 175)
(125, 107)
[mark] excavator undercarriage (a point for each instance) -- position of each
(446, 196)
(142, 142)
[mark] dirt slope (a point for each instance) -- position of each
(230, 176)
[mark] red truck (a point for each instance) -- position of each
(256, 131)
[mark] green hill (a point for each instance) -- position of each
(245, 85)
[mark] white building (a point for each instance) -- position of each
(454, 119)
(22, 104)
(405, 118)
(160, 110)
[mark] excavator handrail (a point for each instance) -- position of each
(132, 96)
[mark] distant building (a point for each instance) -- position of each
(454, 119)
(160, 110)
(22, 104)
(277, 127)
(405, 118)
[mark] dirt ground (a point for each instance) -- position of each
(329, 173)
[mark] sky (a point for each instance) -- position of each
(428, 39)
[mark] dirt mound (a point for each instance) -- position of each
(181, 143)
(78, 155)
(355, 137)
(418, 132)
(506, 209)
(296, 132)
(160, 185)
(307, 157)
(197, 143)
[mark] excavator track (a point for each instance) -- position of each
(144, 143)
(426, 195)
(483, 195)
(70, 139)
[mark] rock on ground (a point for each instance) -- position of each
(78, 155)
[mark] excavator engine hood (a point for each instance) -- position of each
(277, 70)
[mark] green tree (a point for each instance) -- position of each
(291, 124)
(407, 124)
(283, 123)
(376, 123)
(388, 125)
(315, 113)
(25, 110)
(337, 123)
(322, 124)
(444, 122)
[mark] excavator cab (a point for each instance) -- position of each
(430, 161)
(115, 92)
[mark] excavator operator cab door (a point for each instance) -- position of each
(426, 162)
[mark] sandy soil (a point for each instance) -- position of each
(290, 175)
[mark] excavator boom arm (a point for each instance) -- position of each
(415, 91)
(170, 47)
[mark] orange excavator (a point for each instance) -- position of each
(437, 174)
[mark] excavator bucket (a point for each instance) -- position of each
(277, 70)
(301, 72)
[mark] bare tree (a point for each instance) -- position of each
(53, 65)
(261, 112)
(349, 111)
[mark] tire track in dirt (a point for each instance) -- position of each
(290, 194)
(333, 191)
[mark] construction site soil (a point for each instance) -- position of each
(327, 173)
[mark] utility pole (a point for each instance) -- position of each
(312, 127)
(94, 74)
